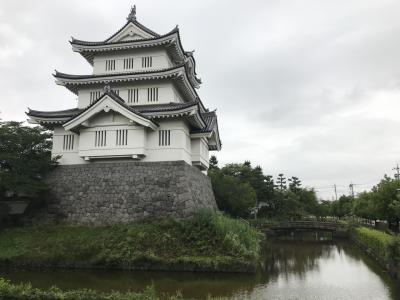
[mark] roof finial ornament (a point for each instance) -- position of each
(132, 14)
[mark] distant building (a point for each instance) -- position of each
(135, 145)
(140, 103)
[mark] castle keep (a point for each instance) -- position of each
(137, 144)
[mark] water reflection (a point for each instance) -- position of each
(294, 269)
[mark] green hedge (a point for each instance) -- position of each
(205, 242)
(378, 241)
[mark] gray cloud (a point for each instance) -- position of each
(309, 88)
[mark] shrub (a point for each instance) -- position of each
(393, 252)
(376, 240)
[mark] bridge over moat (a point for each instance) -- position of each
(337, 229)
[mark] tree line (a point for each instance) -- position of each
(381, 203)
(242, 190)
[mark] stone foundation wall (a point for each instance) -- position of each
(107, 193)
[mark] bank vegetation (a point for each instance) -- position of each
(205, 242)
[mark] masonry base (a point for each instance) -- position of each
(124, 192)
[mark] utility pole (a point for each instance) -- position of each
(351, 186)
(334, 186)
(397, 169)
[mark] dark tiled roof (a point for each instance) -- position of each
(154, 108)
(54, 114)
(210, 118)
(159, 73)
(88, 76)
(102, 43)
(164, 107)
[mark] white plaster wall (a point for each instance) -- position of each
(199, 151)
(67, 156)
(141, 141)
(159, 56)
(179, 149)
(166, 93)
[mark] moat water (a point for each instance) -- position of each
(315, 268)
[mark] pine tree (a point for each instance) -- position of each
(294, 184)
(213, 162)
(281, 182)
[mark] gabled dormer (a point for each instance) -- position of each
(132, 30)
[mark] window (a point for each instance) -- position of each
(164, 137)
(128, 63)
(133, 95)
(100, 139)
(147, 62)
(68, 143)
(122, 137)
(117, 92)
(94, 96)
(110, 64)
(152, 94)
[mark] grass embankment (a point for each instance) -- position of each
(10, 291)
(384, 247)
(206, 242)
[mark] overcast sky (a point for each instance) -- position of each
(306, 88)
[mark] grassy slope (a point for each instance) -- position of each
(205, 242)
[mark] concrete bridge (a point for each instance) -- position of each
(337, 229)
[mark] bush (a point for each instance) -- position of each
(393, 252)
(376, 240)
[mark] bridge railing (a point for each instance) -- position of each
(303, 225)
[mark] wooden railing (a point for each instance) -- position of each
(304, 225)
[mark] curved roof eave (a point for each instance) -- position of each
(86, 47)
(70, 80)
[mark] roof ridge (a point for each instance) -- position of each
(94, 43)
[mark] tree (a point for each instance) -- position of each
(324, 209)
(294, 184)
(364, 206)
(25, 158)
(281, 182)
(343, 206)
(233, 197)
(308, 200)
(386, 199)
(213, 162)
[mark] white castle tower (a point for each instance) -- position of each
(139, 104)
